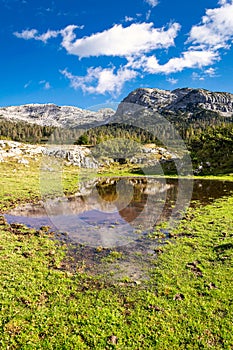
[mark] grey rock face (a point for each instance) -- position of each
(77, 155)
(52, 115)
(185, 100)
(23, 153)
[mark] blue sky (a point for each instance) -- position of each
(86, 53)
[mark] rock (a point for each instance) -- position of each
(23, 161)
(53, 115)
(71, 154)
(211, 285)
(179, 296)
(193, 266)
(113, 339)
(76, 155)
(184, 100)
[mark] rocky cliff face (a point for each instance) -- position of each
(184, 100)
(52, 115)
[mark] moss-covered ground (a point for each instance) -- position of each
(186, 304)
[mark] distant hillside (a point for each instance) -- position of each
(54, 116)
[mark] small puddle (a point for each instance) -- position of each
(108, 220)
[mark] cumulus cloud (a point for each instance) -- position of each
(136, 44)
(101, 80)
(216, 29)
(152, 3)
(189, 59)
(120, 41)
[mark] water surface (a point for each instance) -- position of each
(117, 214)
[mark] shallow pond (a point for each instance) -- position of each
(109, 220)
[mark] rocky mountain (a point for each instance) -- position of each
(185, 100)
(53, 115)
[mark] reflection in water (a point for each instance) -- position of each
(105, 211)
(141, 202)
(117, 212)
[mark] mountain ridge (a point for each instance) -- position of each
(182, 100)
(49, 114)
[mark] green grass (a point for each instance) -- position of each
(20, 183)
(133, 170)
(186, 303)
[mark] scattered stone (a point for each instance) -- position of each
(158, 250)
(137, 283)
(17, 226)
(23, 161)
(27, 254)
(194, 268)
(155, 307)
(113, 340)
(2, 221)
(179, 296)
(212, 285)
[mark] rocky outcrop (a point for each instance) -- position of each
(23, 153)
(79, 156)
(57, 116)
(184, 100)
(19, 152)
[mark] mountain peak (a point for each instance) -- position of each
(182, 99)
(52, 115)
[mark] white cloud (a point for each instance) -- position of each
(46, 84)
(152, 3)
(120, 41)
(136, 44)
(27, 84)
(101, 80)
(216, 29)
(148, 15)
(222, 2)
(188, 59)
(33, 34)
(128, 19)
(172, 81)
(207, 73)
(197, 76)
(66, 33)
(211, 72)
(26, 34)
